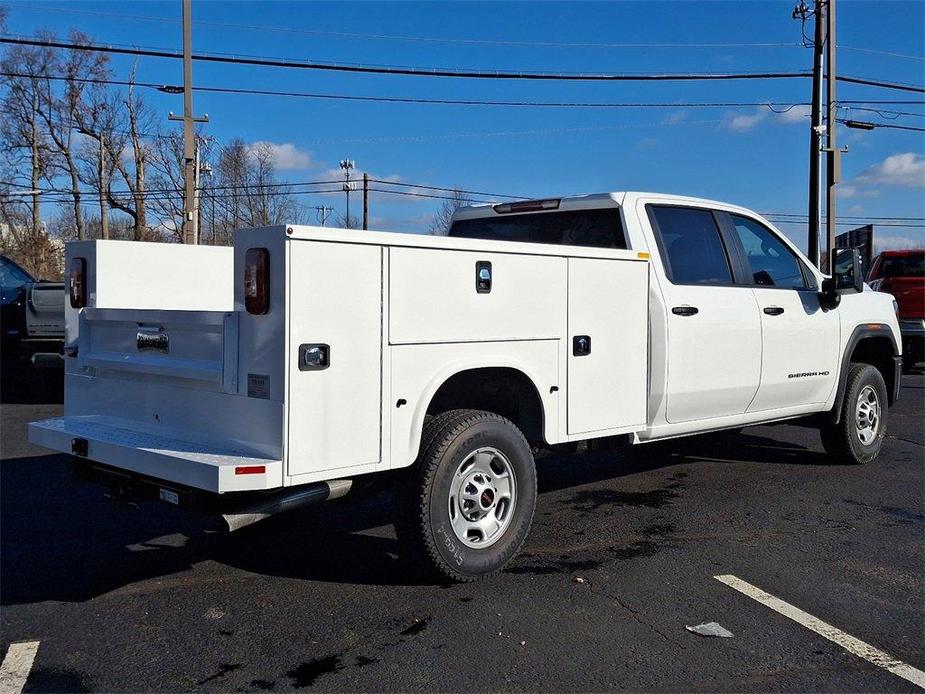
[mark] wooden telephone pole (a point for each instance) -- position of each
(190, 147)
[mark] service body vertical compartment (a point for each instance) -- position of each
(608, 345)
(335, 304)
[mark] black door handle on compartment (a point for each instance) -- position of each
(773, 310)
(685, 310)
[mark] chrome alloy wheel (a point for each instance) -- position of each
(482, 497)
(867, 415)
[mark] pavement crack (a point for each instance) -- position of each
(635, 614)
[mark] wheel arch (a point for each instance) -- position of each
(506, 390)
(874, 344)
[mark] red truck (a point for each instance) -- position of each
(902, 274)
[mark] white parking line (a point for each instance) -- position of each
(16, 666)
(846, 641)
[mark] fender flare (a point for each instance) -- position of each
(861, 332)
(459, 366)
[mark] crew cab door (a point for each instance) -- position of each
(799, 340)
(713, 343)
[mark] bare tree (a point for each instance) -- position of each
(443, 217)
(139, 117)
(24, 140)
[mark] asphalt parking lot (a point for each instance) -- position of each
(622, 556)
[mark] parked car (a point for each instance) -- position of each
(902, 274)
(439, 365)
(32, 319)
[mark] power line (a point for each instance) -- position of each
(423, 100)
(422, 39)
(471, 102)
(451, 72)
(880, 52)
(406, 70)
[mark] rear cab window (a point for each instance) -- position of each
(691, 245)
(597, 228)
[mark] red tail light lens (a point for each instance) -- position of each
(257, 281)
(77, 282)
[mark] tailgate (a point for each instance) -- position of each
(188, 348)
(45, 310)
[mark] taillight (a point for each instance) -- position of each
(257, 280)
(77, 282)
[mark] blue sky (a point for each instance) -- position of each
(747, 155)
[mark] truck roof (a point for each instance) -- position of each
(590, 201)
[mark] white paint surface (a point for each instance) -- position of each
(14, 671)
(851, 644)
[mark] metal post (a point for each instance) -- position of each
(190, 173)
(815, 137)
(365, 201)
(833, 158)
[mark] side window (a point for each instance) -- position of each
(691, 245)
(771, 262)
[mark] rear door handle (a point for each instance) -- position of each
(773, 310)
(685, 310)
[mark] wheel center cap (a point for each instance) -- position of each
(487, 498)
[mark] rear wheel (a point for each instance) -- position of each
(858, 436)
(467, 504)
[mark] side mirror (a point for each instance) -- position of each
(846, 269)
(846, 277)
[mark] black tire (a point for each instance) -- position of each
(423, 507)
(843, 441)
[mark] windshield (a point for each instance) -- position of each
(600, 228)
(11, 275)
(912, 265)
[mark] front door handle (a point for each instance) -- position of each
(685, 310)
(773, 310)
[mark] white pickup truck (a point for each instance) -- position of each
(441, 365)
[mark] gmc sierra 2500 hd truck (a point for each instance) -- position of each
(439, 365)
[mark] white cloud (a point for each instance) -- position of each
(286, 156)
(796, 114)
(905, 170)
(850, 190)
(674, 118)
(743, 123)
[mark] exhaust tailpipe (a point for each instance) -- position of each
(309, 495)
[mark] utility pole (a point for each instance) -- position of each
(833, 155)
(190, 167)
(104, 185)
(323, 211)
(347, 165)
(365, 201)
(801, 12)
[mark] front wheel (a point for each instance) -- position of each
(858, 436)
(467, 504)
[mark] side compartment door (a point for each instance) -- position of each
(799, 340)
(335, 304)
(607, 343)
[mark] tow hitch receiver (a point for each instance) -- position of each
(80, 447)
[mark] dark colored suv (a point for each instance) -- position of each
(902, 274)
(32, 320)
